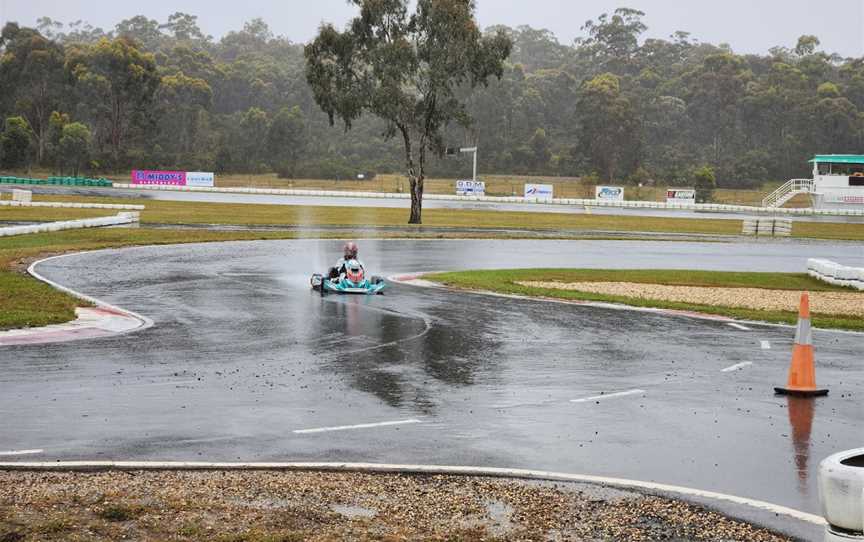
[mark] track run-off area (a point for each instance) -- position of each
(245, 363)
(141, 196)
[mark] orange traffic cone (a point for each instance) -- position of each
(802, 372)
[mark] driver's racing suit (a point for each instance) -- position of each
(340, 271)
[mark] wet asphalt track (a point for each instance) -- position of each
(243, 355)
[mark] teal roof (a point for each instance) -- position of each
(839, 158)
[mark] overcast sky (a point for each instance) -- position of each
(747, 25)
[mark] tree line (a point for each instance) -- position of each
(612, 105)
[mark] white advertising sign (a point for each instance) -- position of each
(538, 191)
(199, 178)
(470, 188)
(681, 195)
(609, 193)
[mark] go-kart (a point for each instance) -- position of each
(352, 281)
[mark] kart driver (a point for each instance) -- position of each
(349, 252)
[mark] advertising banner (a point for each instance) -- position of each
(199, 178)
(609, 193)
(146, 176)
(538, 191)
(681, 195)
(470, 188)
(172, 178)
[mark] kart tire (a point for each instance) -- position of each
(320, 281)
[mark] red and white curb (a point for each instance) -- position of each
(102, 320)
(379, 468)
(92, 323)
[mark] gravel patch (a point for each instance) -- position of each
(829, 303)
(259, 506)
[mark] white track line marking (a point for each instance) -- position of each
(359, 426)
(766, 345)
(607, 396)
(21, 452)
(739, 326)
(737, 366)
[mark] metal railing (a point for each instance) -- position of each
(788, 191)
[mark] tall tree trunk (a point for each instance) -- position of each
(416, 199)
(415, 178)
(116, 128)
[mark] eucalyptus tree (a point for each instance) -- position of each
(74, 145)
(180, 102)
(409, 68)
(16, 143)
(116, 83)
(609, 134)
(286, 141)
(32, 80)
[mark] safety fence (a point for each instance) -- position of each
(836, 274)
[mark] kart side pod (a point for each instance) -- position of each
(323, 285)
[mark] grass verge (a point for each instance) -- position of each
(180, 212)
(505, 281)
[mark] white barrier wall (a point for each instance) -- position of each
(25, 196)
(71, 205)
(117, 220)
(841, 491)
(836, 274)
(707, 207)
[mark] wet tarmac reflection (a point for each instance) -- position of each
(801, 411)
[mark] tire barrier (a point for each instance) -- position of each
(57, 181)
(774, 227)
(587, 203)
(117, 220)
(841, 492)
(836, 274)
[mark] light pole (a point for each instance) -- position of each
(474, 151)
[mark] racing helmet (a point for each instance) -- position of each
(350, 251)
(354, 271)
